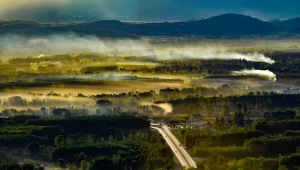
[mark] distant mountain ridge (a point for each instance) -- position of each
(26, 28)
(227, 25)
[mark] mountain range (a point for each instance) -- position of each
(225, 25)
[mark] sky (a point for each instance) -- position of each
(143, 10)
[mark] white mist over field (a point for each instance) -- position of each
(18, 45)
(23, 46)
(262, 73)
(166, 107)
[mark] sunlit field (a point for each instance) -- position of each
(104, 69)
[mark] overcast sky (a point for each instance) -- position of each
(147, 10)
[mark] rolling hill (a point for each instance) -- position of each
(222, 25)
(225, 25)
(26, 28)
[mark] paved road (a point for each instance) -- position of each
(183, 157)
(188, 158)
(173, 147)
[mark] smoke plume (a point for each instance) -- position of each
(261, 73)
(221, 54)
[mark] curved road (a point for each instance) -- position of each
(182, 155)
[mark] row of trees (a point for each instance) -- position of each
(279, 114)
(186, 96)
(272, 146)
(229, 152)
(217, 138)
(278, 126)
(218, 161)
(249, 104)
(50, 131)
(100, 125)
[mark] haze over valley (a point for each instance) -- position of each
(120, 86)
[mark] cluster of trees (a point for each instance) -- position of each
(17, 120)
(248, 148)
(292, 133)
(25, 166)
(270, 139)
(250, 104)
(290, 161)
(140, 149)
(8, 162)
(104, 103)
(278, 126)
(18, 101)
(100, 125)
(31, 129)
(218, 161)
(119, 155)
(191, 137)
(279, 114)
(69, 112)
(125, 142)
(266, 146)
(12, 112)
(100, 142)
(229, 152)
(22, 140)
(272, 146)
